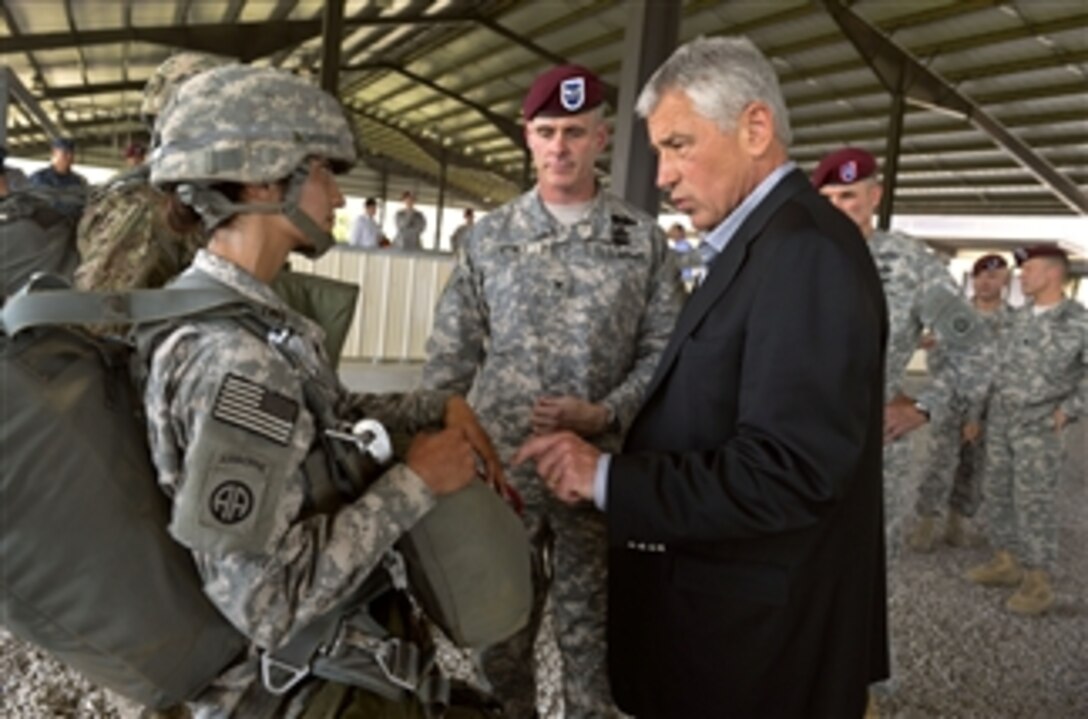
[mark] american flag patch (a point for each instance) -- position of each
(254, 408)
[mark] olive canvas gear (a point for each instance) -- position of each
(35, 236)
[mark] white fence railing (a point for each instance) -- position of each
(397, 296)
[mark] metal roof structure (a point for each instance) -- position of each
(986, 100)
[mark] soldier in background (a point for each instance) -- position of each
(1040, 386)
(59, 175)
(920, 293)
(124, 239)
(135, 154)
(687, 256)
(554, 318)
(461, 234)
(953, 474)
(410, 224)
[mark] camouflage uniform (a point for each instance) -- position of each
(284, 565)
(410, 227)
(534, 309)
(950, 461)
(911, 274)
(124, 239)
(235, 415)
(1043, 367)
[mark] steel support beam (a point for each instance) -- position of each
(891, 161)
(443, 163)
(898, 70)
(505, 125)
(262, 38)
(18, 91)
(5, 74)
(332, 37)
(652, 31)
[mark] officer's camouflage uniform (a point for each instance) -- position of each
(909, 273)
(535, 309)
(280, 567)
(953, 473)
(124, 239)
(1043, 367)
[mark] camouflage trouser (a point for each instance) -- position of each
(898, 461)
(573, 548)
(1023, 467)
(951, 462)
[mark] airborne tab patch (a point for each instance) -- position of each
(249, 406)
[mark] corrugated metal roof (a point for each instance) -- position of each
(433, 80)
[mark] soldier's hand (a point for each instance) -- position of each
(445, 460)
(459, 415)
(900, 418)
(1060, 420)
(551, 414)
(971, 432)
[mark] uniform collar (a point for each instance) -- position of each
(541, 224)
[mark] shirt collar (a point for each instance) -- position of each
(720, 236)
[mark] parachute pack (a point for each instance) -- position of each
(92, 576)
(35, 236)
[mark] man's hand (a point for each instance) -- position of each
(459, 415)
(445, 460)
(1060, 420)
(551, 414)
(565, 462)
(901, 417)
(972, 431)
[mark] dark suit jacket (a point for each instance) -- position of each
(746, 559)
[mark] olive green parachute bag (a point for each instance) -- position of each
(89, 572)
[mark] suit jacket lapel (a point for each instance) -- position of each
(723, 271)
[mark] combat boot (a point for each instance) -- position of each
(1034, 596)
(955, 530)
(921, 539)
(1001, 571)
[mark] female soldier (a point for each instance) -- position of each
(240, 413)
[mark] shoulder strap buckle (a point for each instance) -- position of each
(279, 677)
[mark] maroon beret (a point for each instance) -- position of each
(844, 167)
(563, 90)
(1023, 254)
(135, 149)
(988, 262)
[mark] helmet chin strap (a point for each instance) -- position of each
(214, 209)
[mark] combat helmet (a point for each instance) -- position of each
(168, 76)
(247, 125)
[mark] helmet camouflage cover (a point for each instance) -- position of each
(248, 125)
(168, 76)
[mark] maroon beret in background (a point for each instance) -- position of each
(135, 149)
(988, 262)
(1023, 254)
(844, 167)
(563, 90)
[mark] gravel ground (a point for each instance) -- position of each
(958, 653)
